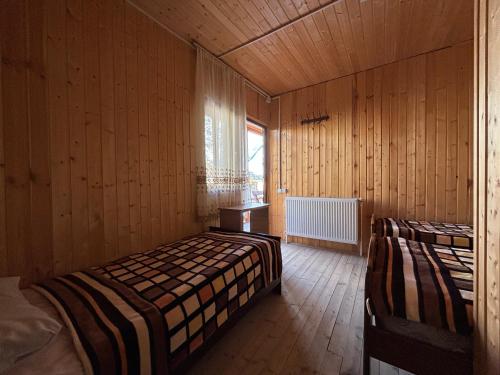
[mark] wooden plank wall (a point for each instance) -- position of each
(487, 189)
(399, 137)
(96, 137)
(258, 109)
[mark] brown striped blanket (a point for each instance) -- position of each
(456, 235)
(422, 282)
(147, 312)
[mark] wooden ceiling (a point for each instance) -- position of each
(297, 43)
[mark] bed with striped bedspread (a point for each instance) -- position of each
(447, 234)
(146, 313)
(422, 282)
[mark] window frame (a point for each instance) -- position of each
(252, 121)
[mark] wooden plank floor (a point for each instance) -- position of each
(314, 327)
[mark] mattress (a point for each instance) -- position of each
(422, 282)
(455, 235)
(148, 312)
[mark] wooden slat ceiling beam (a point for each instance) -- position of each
(282, 45)
(289, 23)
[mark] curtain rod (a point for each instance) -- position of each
(249, 83)
(194, 44)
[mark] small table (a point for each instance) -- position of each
(231, 218)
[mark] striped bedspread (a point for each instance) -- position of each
(456, 235)
(147, 312)
(422, 282)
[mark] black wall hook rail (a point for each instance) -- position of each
(315, 120)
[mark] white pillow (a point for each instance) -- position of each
(24, 328)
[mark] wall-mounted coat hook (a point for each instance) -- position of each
(315, 119)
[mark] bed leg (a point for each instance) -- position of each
(366, 361)
(277, 289)
(366, 353)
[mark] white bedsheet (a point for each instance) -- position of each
(58, 357)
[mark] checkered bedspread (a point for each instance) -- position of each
(422, 282)
(146, 313)
(456, 235)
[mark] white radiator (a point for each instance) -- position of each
(330, 219)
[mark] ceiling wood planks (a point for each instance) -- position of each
(282, 45)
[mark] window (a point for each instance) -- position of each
(256, 161)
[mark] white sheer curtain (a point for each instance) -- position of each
(221, 165)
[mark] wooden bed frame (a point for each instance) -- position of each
(404, 351)
(274, 287)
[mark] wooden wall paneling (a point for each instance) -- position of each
(304, 130)
(328, 146)
(291, 170)
(92, 78)
(183, 132)
(257, 108)
(492, 268)
(421, 137)
(310, 147)
(452, 112)
(186, 107)
(252, 103)
(464, 145)
(394, 138)
(264, 115)
(402, 122)
(486, 190)
(322, 142)
(307, 149)
(192, 135)
(368, 204)
(355, 139)
(334, 107)
(472, 165)
(100, 116)
(108, 128)
(349, 129)
(172, 151)
(430, 140)
(286, 150)
(342, 137)
(77, 133)
(363, 158)
(387, 138)
(480, 190)
(16, 137)
(121, 127)
(3, 234)
(380, 143)
(410, 144)
(59, 135)
(163, 139)
(316, 128)
(186, 139)
(441, 135)
(179, 165)
(144, 102)
(154, 33)
(377, 133)
(133, 127)
(39, 134)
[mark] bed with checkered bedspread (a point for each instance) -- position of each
(456, 235)
(421, 282)
(146, 313)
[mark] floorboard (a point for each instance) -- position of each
(314, 327)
